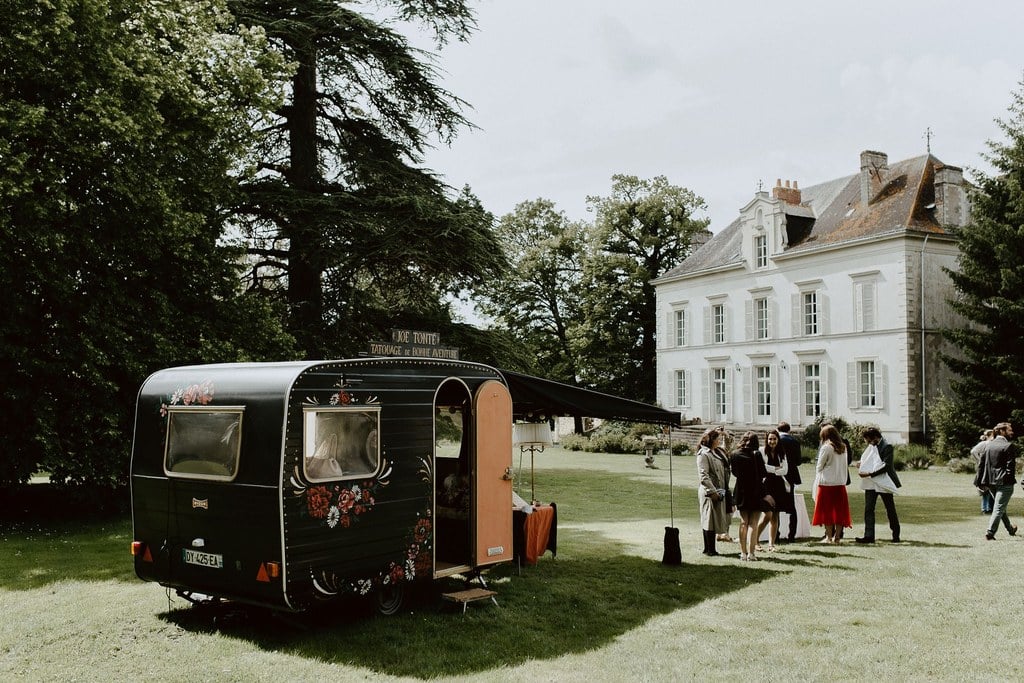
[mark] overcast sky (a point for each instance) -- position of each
(718, 95)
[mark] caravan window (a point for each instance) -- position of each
(340, 443)
(449, 433)
(203, 442)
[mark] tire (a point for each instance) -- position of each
(390, 598)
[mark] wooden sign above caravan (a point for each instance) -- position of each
(414, 344)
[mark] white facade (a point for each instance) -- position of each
(775, 322)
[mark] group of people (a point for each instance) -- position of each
(996, 459)
(766, 481)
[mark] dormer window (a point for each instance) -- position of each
(761, 251)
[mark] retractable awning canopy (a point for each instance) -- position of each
(533, 396)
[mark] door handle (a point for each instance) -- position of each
(508, 476)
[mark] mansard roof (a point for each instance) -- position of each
(833, 212)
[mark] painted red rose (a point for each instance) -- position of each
(318, 499)
(422, 530)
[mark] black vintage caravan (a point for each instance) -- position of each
(284, 484)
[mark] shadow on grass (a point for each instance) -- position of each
(578, 602)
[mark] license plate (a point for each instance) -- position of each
(202, 559)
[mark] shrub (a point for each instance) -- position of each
(850, 432)
(954, 434)
(912, 456)
(574, 442)
(962, 465)
(618, 437)
(811, 433)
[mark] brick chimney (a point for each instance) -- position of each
(874, 171)
(950, 202)
(790, 195)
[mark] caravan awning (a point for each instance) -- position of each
(533, 396)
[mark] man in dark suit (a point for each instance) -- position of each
(791, 447)
(1000, 457)
(874, 437)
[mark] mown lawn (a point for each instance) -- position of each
(604, 609)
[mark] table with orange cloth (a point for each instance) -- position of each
(534, 533)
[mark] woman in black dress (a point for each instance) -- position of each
(776, 486)
(748, 469)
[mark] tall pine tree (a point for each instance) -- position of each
(990, 288)
(344, 221)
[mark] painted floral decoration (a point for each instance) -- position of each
(194, 394)
(338, 505)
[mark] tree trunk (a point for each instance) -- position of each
(305, 296)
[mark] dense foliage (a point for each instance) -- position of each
(580, 295)
(537, 300)
(641, 230)
(989, 281)
(121, 123)
(344, 224)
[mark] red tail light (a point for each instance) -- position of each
(140, 548)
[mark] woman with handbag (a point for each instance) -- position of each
(831, 504)
(713, 484)
(749, 495)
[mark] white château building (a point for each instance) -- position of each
(824, 300)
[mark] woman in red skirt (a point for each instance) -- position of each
(831, 506)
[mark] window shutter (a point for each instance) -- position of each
(797, 316)
(670, 331)
(705, 394)
(858, 306)
(748, 395)
(868, 305)
(776, 402)
(796, 415)
(686, 329)
(823, 314)
(725, 323)
(773, 314)
(728, 395)
(852, 390)
(688, 388)
(707, 325)
(881, 384)
(749, 316)
(825, 385)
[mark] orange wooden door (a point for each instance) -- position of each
(492, 485)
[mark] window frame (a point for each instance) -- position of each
(308, 450)
(810, 313)
(867, 385)
(760, 251)
(763, 391)
(679, 326)
(181, 410)
(680, 388)
(718, 323)
(762, 319)
(716, 401)
(805, 381)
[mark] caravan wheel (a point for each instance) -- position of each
(390, 598)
